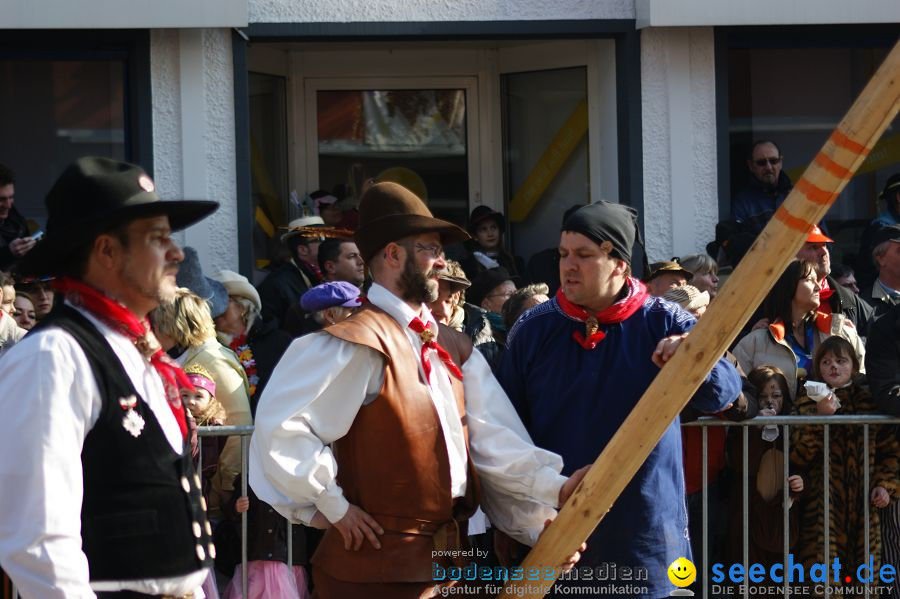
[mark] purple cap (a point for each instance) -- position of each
(329, 295)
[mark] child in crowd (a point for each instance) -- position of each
(206, 411)
(765, 476)
(268, 573)
(486, 249)
(837, 387)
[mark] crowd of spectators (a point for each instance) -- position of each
(826, 340)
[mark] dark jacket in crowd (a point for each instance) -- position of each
(856, 309)
(883, 361)
(754, 204)
(877, 298)
(543, 267)
(12, 228)
(514, 265)
(477, 327)
(283, 288)
(268, 343)
(267, 531)
(864, 268)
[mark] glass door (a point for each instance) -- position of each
(412, 133)
(546, 153)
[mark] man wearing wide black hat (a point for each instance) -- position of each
(575, 367)
(100, 496)
(401, 431)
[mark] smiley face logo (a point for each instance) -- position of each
(682, 572)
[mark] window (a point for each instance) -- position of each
(415, 137)
(796, 97)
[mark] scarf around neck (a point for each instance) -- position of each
(636, 293)
(122, 320)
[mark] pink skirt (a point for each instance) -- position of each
(209, 586)
(269, 580)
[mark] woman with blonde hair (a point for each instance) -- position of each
(705, 271)
(185, 328)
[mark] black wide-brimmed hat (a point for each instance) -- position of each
(485, 282)
(94, 195)
(389, 212)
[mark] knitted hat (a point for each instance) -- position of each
(605, 221)
(190, 275)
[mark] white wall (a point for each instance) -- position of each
(679, 140)
(669, 13)
(317, 11)
(116, 14)
(193, 134)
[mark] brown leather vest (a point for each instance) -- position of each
(393, 463)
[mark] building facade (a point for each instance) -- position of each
(528, 107)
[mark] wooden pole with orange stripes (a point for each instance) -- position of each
(776, 245)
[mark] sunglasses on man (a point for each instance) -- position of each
(769, 161)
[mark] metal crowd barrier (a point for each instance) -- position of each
(228, 431)
(785, 422)
(704, 423)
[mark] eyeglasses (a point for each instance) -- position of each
(769, 161)
(434, 251)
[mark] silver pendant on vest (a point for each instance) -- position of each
(132, 421)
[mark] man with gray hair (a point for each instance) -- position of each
(885, 291)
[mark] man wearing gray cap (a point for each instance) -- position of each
(575, 367)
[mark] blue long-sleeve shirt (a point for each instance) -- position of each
(573, 400)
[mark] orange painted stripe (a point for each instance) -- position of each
(814, 194)
(792, 222)
(842, 141)
(832, 167)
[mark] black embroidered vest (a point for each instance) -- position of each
(143, 515)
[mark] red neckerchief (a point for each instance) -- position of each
(428, 342)
(825, 292)
(619, 311)
(123, 321)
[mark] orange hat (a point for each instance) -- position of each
(816, 236)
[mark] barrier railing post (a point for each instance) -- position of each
(245, 462)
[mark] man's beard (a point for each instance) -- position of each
(417, 287)
(163, 292)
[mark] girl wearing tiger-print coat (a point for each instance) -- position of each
(847, 493)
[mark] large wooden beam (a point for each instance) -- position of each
(810, 199)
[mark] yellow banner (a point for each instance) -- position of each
(554, 157)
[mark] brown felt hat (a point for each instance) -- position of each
(389, 212)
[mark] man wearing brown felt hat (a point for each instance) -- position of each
(94, 435)
(401, 432)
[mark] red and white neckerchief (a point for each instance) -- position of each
(122, 320)
(427, 337)
(619, 311)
